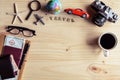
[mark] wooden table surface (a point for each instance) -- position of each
(66, 49)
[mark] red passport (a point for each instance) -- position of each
(14, 51)
(13, 45)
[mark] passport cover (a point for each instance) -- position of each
(14, 46)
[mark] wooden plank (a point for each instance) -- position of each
(65, 50)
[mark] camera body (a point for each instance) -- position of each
(103, 13)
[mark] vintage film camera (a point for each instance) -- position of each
(103, 13)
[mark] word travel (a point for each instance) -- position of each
(61, 19)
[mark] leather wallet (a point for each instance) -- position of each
(20, 59)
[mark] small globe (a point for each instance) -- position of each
(54, 6)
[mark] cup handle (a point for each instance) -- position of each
(106, 53)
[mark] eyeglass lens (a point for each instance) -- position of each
(27, 33)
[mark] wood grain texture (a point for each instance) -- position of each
(64, 50)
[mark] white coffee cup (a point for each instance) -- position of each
(107, 41)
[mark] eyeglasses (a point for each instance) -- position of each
(25, 31)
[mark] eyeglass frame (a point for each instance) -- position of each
(21, 29)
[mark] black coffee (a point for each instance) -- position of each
(108, 41)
